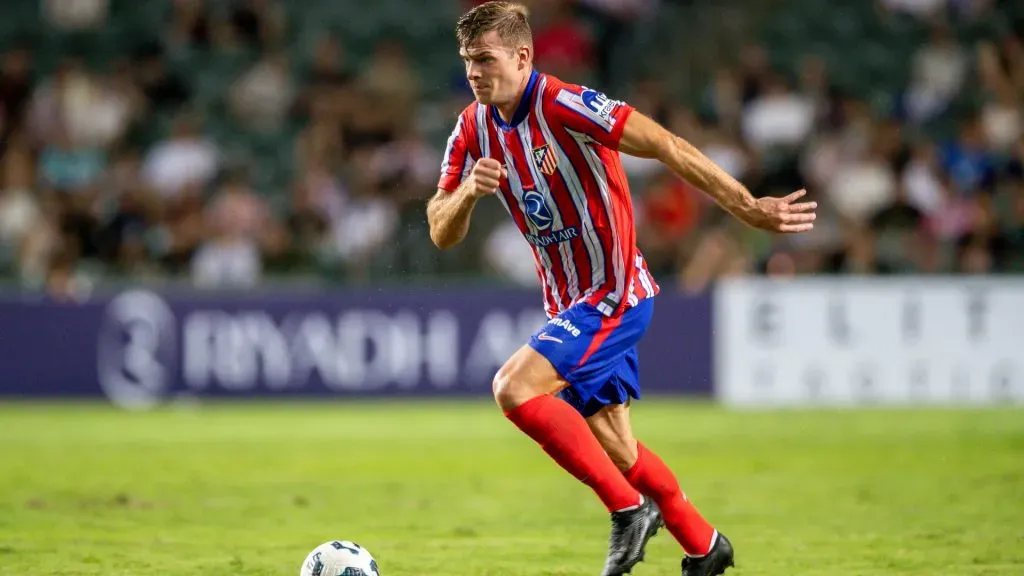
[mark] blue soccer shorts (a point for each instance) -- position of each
(595, 354)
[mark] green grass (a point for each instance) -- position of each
(454, 489)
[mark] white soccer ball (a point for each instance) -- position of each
(339, 558)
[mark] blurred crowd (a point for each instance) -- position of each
(927, 180)
(232, 141)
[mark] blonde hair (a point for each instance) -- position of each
(509, 19)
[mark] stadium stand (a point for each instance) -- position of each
(229, 143)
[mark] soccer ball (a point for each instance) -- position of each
(339, 558)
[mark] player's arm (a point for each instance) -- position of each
(448, 212)
(462, 183)
(645, 138)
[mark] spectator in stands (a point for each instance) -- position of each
(863, 186)
(262, 97)
(366, 221)
(185, 159)
(649, 97)
(718, 254)
(330, 80)
(1011, 256)
(725, 150)
(968, 159)
(69, 166)
(509, 257)
(162, 88)
(619, 24)
(24, 231)
(939, 70)
(15, 91)
(317, 200)
(241, 232)
(131, 213)
(93, 110)
(562, 45)
(111, 166)
(406, 167)
(259, 23)
(974, 255)
(1001, 114)
(667, 214)
(189, 28)
(390, 82)
(62, 282)
(320, 145)
(722, 99)
(754, 71)
(816, 86)
(922, 179)
(74, 15)
(922, 9)
(778, 116)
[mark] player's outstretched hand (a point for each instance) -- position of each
(485, 177)
(784, 214)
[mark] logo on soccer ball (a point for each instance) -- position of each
(315, 565)
(537, 210)
(545, 159)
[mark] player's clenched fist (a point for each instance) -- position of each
(485, 177)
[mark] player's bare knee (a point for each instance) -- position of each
(508, 390)
(524, 376)
(499, 387)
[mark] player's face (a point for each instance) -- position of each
(495, 70)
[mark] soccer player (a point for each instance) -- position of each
(549, 152)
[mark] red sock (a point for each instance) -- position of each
(653, 479)
(564, 435)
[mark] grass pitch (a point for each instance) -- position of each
(453, 489)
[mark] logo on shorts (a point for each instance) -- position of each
(566, 325)
(549, 338)
(537, 210)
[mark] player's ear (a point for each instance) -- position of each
(524, 56)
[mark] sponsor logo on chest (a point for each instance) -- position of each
(555, 237)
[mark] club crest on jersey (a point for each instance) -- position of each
(545, 159)
(537, 210)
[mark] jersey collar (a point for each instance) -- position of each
(522, 110)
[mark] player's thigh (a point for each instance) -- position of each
(527, 374)
(611, 425)
(544, 364)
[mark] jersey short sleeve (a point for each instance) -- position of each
(457, 160)
(591, 112)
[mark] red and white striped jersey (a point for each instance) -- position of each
(566, 190)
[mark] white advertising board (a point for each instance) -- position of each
(856, 342)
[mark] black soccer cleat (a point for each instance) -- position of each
(714, 563)
(631, 529)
